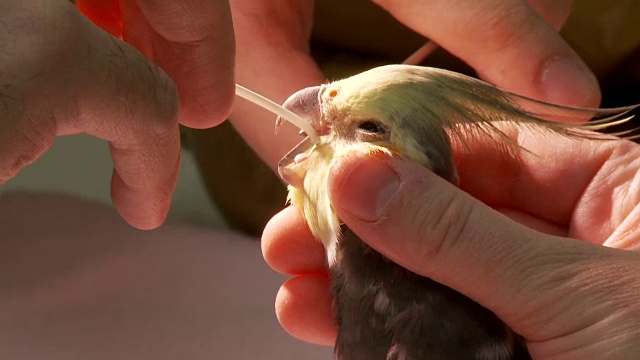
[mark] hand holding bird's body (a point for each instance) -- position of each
(383, 310)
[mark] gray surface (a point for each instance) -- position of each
(77, 283)
(81, 165)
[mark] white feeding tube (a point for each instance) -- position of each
(277, 109)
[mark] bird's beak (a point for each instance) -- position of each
(306, 104)
(292, 168)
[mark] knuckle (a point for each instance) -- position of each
(159, 92)
(455, 221)
(165, 90)
(135, 95)
(153, 102)
(165, 96)
(444, 232)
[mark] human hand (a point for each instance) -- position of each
(510, 43)
(567, 297)
(272, 39)
(63, 75)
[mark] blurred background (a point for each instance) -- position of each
(78, 283)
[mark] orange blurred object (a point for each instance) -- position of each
(106, 14)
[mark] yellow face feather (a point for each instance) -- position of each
(412, 112)
(312, 199)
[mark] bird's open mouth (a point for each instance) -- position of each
(307, 105)
(292, 168)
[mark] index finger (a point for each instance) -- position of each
(124, 98)
(193, 42)
(507, 43)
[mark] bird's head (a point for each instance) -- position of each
(387, 109)
(412, 112)
(397, 107)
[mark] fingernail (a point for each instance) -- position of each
(569, 82)
(363, 185)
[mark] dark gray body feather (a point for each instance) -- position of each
(385, 312)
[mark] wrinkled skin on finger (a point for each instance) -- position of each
(551, 280)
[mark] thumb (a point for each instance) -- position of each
(432, 228)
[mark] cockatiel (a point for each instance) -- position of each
(384, 311)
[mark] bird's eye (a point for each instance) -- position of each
(371, 131)
(372, 127)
